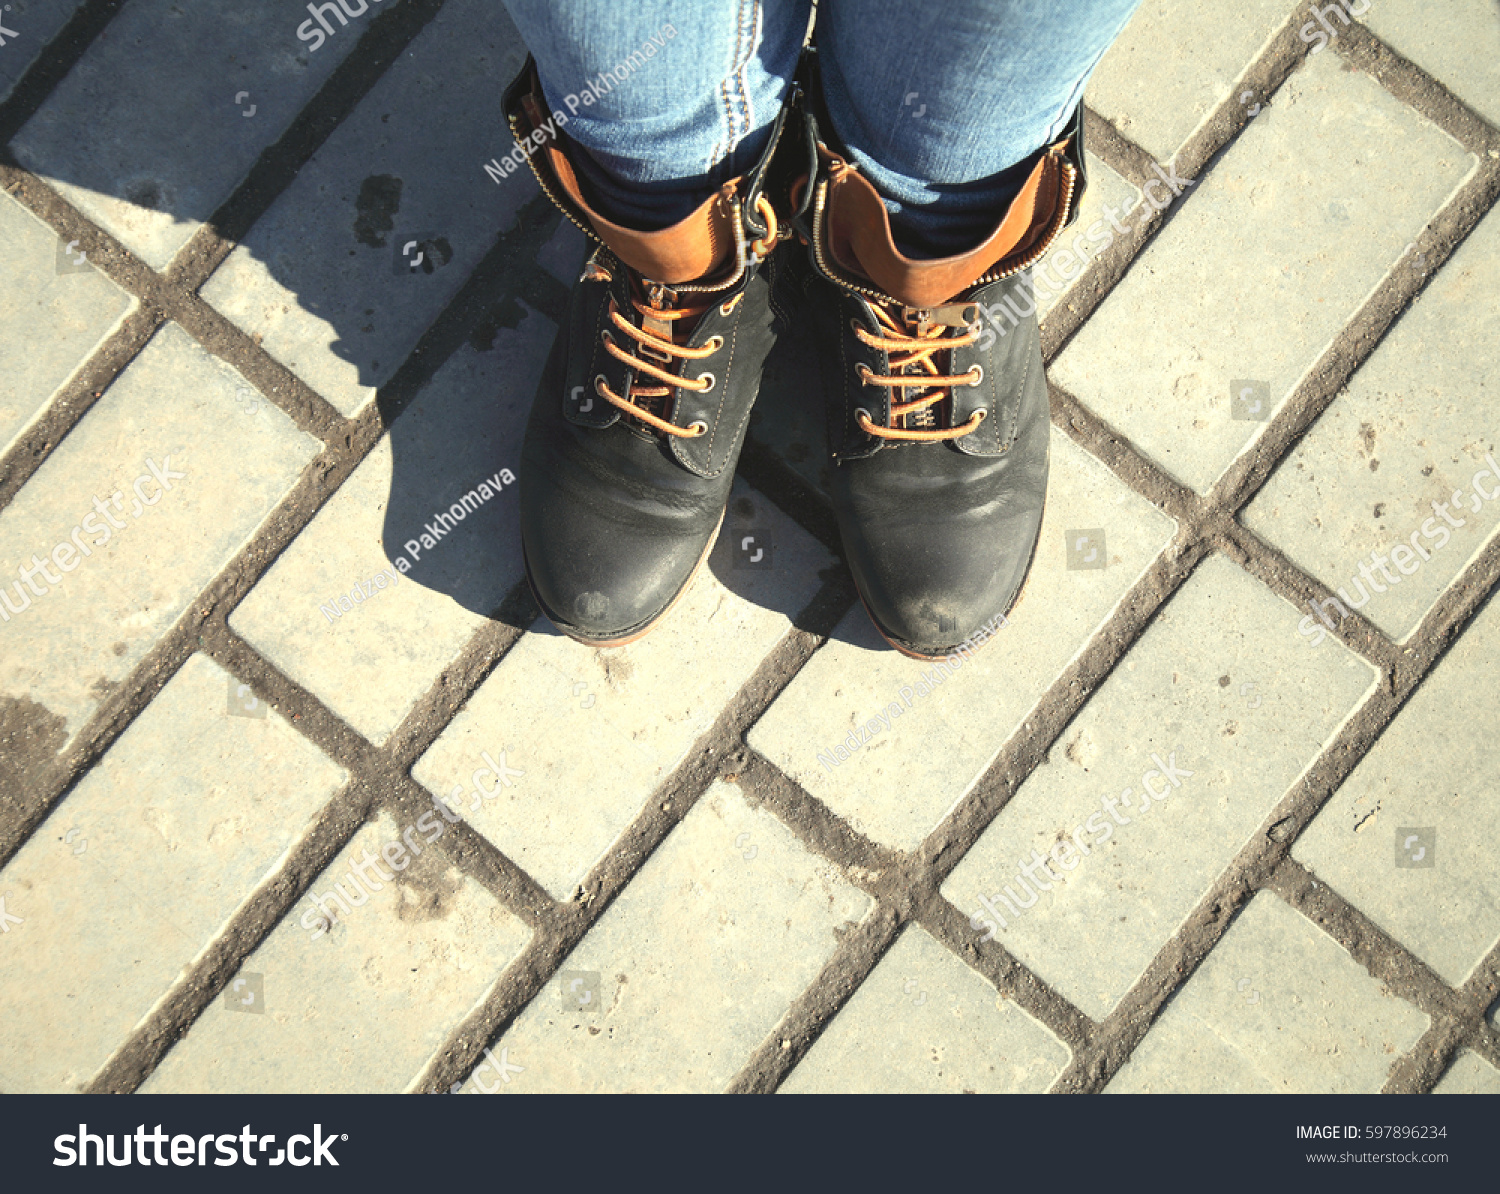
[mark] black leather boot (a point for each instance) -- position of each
(938, 426)
(642, 408)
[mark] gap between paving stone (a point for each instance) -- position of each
(52, 65)
(720, 753)
(316, 486)
(1424, 629)
(172, 294)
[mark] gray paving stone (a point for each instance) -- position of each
(1470, 1074)
(317, 275)
(371, 663)
(30, 25)
(1428, 772)
(361, 1009)
(1175, 64)
(49, 322)
(150, 163)
(1218, 679)
(1251, 281)
(595, 731)
(691, 967)
(1413, 429)
(1457, 42)
(924, 1023)
(185, 818)
(941, 736)
(69, 645)
(1277, 1007)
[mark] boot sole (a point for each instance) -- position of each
(1005, 613)
(630, 636)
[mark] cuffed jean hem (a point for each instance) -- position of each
(941, 110)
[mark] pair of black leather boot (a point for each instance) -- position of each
(938, 425)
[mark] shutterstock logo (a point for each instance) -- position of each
(186, 1150)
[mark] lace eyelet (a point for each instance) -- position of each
(702, 428)
(978, 372)
(859, 410)
(715, 343)
(600, 381)
(864, 373)
(606, 337)
(712, 381)
(726, 307)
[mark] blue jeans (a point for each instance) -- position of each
(940, 105)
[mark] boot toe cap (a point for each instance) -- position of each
(928, 598)
(604, 579)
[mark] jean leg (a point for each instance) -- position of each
(941, 105)
(667, 102)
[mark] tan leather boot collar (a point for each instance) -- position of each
(701, 244)
(856, 229)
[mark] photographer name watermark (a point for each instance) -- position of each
(439, 527)
(594, 89)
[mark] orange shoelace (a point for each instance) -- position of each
(918, 350)
(654, 340)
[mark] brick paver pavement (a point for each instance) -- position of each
(1216, 811)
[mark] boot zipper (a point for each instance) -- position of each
(1069, 181)
(740, 245)
(824, 264)
(546, 190)
(741, 242)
